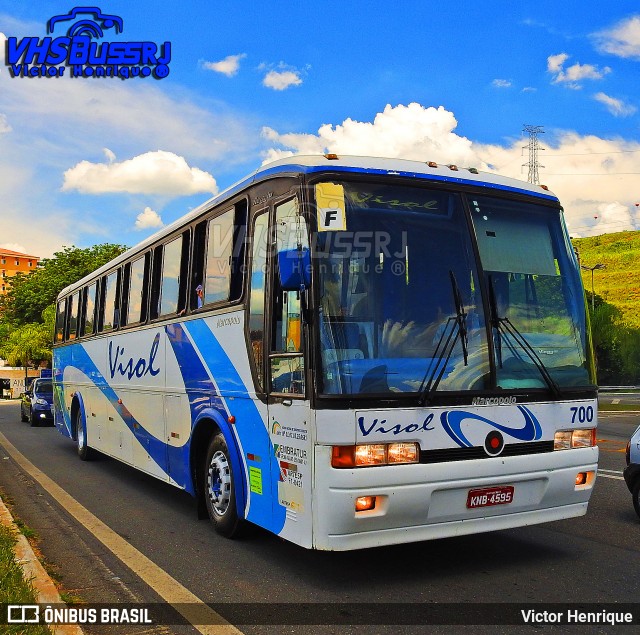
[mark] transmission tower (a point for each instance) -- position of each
(534, 147)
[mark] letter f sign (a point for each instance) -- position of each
(330, 216)
(331, 219)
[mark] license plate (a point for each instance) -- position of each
(488, 496)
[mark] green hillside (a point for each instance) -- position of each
(618, 283)
(615, 323)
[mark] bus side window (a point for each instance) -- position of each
(172, 261)
(257, 294)
(197, 265)
(286, 360)
(60, 312)
(88, 327)
(109, 311)
(217, 278)
(136, 275)
(74, 307)
(218, 253)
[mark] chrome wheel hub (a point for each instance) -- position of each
(219, 483)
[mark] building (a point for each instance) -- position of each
(13, 262)
(12, 380)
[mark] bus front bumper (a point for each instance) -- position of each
(423, 502)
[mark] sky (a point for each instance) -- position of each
(86, 160)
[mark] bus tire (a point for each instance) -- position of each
(636, 496)
(84, 451)
(219, 489)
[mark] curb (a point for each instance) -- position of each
(32, 569)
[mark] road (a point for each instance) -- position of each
(589, 560)
(620, 397)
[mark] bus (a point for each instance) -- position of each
(348, 352)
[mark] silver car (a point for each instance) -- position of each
(632, 471)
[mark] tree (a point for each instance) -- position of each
(27, 312)
(27, 345)
(29, 295)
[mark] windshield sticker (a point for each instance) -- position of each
(331, 207)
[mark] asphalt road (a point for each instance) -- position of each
(589, 560)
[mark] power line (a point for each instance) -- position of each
(588, 154)
(590, 173)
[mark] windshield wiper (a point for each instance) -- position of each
(504, 326)
(455, 329)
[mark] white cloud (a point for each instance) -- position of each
(616, 107)
(501, 83)
(85, 114)
(157, 172)
(594, 178)
(15, 247)
(57, 123)
(281, 80)
(555, 62)
(622, 40)
(111, 157)
(573, 75)
(148, 219)
(4, 124)
(410, 132)
(229, 66)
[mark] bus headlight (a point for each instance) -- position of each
(580, 438)
(371, 454)
(403, 453)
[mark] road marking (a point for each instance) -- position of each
(615, 401)
(611, 445)
(611, 474)
(169, 589)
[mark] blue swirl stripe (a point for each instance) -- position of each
(161, 453)
(452, 423)
(250, 428)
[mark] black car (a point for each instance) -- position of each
(37, 402)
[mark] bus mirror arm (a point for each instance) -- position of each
(305, 313)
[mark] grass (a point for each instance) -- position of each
(25, 530)
(14, 589)
(619, 282)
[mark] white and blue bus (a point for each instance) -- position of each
(346, 351)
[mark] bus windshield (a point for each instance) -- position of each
(535, 294)
(401, 307)
(389, 276)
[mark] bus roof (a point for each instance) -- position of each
(315, 164)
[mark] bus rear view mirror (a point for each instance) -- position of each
(294, 266)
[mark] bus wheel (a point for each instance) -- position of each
(636, 496)
(219, 491)
(84, 451)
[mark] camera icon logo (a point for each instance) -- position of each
(88, 27)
